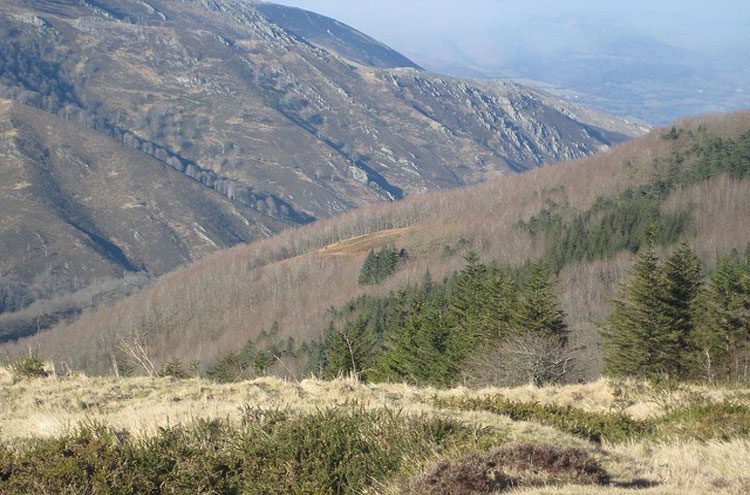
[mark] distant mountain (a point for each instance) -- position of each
(145, 134)
(334, 36)
(593, 62)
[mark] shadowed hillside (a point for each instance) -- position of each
(82, 208)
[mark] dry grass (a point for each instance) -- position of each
(44, 408)
(48, 407)
(357, 246)
(687, 468)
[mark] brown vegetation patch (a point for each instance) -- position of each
(507, 467)
(362, 244)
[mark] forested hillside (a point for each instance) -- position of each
(552, 248)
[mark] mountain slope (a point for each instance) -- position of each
(80, 205)
(287, 285)
(218, 86)
(289, 115)
(334, 36)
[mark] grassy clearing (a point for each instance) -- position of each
(342, 436)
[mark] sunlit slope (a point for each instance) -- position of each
(212, 307)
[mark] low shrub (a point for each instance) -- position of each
(551, 464)
(31, 366)
(512, 466)
(175, 369)
(596, 427)
(473, 474)
(703, 421)
(710, 421)
(336, 451)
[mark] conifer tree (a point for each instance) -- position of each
(538, 312)
(635, 334)
(416, 343)
(427, 286)
(438, 365)
(501, 319)
(468, 303)
(379, 266)
(399, 359)
(683, 276)
(723, 342)
(366, 274)
(349, 350)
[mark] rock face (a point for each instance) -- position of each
(254, 116)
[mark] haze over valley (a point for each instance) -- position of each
(656, 61)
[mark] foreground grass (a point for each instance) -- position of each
(78, 434)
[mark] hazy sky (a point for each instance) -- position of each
(704, 25)
(653, 59)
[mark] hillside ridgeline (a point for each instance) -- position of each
(277, 295)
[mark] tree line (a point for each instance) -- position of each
(624, 222)
(496, 325)
(431, 333)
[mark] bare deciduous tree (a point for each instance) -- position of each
(136, 349)
(527, 358)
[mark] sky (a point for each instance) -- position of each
(701, 25)
(656, 60)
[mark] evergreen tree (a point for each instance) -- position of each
(349, 350)
(427, 286)
(723, 342)
(381, 265)
(262, 362)
(635, 336)
(502, 316)
(386, 261)
(683, 276)
(538, 312)
(469, 303)
(438, 365)
(416, 343)
(367, 273)
(399, 360)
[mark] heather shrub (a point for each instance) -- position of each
(473, 474)
(596, 427)
(710, 421)
(550, 464)
(511, 466)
